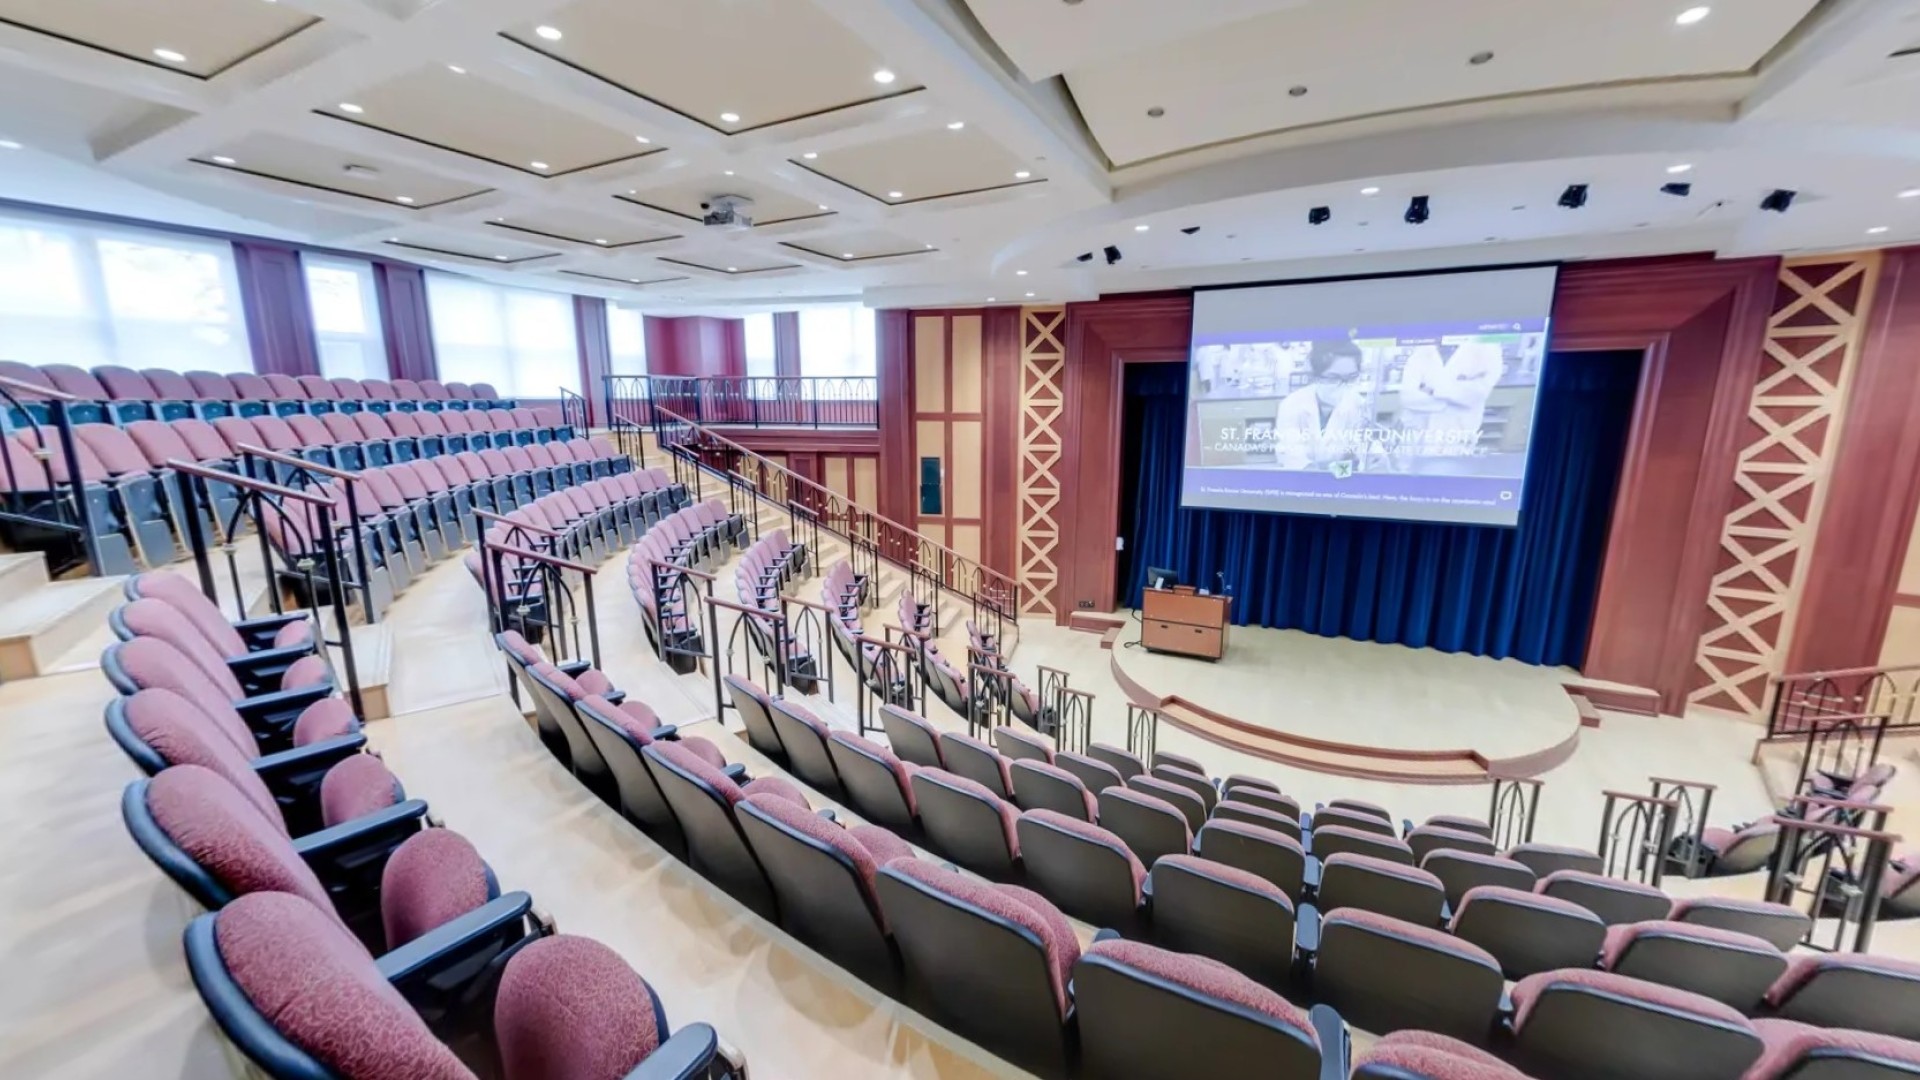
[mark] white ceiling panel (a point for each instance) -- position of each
(208, 36)
(1045, 39)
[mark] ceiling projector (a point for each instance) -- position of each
(730, 212)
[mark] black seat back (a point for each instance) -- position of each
(1213, 910)
(913, 739)
(807, 755)
(705, 812)
(751, 704)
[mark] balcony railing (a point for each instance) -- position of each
(748, 401)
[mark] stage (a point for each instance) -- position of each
(1358, 708)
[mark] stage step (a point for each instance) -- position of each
(41, 624)
(373, 661)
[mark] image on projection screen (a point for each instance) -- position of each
(1409, 398)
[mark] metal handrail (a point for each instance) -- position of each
(296, 462)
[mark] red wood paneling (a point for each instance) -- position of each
(273, 294)
(696, 345)
(1851, 584)
(898, 471)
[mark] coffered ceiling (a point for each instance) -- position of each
(947, 151)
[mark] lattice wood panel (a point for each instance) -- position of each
(1043, 386)
(1813, 344)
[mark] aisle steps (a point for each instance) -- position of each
(41, 621)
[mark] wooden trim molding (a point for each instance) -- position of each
(1042, 405)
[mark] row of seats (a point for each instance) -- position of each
(115, 394)
(346, 933)
(699, 536)
(1743, 849)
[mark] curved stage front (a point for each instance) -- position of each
(1357, 708)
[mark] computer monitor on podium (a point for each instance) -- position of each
(1159, 577)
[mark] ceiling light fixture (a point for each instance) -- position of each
(351, 109)
(729, 172)
(810, 155)
(1319, 215)
(1676, 170)
(1910, 193)
(456, 69)
(599, 241)
(1019, 273)
(170, 56)
(1369, 191)
(883, 77)
(823, 206)
(407, 199)
(733, 269)
(633, 281)
(222, 159)
(956, 125)
(1156, 112)
(895, 195)
(499, 258)
(1022, 175)
(1029, 296)
(729, 118)
(846, 254)
(1677, 189)
(9, 144)
(1296, 91)
(1692, 15)
(541, 165)
(642, 139)
(1778, 200)
(1112, 253)
(1141, 228)
(1876, 230)
(929, 247)
(551, 33)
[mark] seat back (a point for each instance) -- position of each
(1038, 785)
(1777, 924)
(1589, 1025)
(1195, 782)
(1149, 1014)
(989, 962)
(1084, 868)
(978, 762)
(1119, 760)
(1097, 775)
(1235, 810)
(877, 783)
(1614, 900)
(213, 841)
(823, 883)
(1151, 827)
(754, 707)
(1526, 932)
(1385, 975)
(1266, 854)
(912, 736)
(1430, 838)
(805, 739)
(556, 692)
(967, 822)
(1271, 801)
(1461, 871)
(1424, 1055)
(1021, 745)
(1332, 816)
(1173, 794)
(1798, 1051)
(1726, 966)
(1389, 888)
(1544, 859)
(1862, 991)
(1335, 839)
(620, 733)
(1214, 910)
(702, 799)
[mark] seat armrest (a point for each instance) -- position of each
(671, 733)
(422, 967)
(320, 756)
(827, 812)
(689, 1055)
(573, 668)
(736, 771)
(614, 697)
(282, 707)
(400, 821)
(1310, 876)
(1106, 934)
(266, 627)
(1306, 929)
(284, 658)
(1336, 1045)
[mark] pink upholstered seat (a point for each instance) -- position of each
(183, 596)
(228, 836)
(1425, 1055)
(358, 786)
(569, 1008)
(1333, 839)
(436, 876)
(1791, 1047)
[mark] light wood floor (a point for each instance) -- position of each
(94, 984)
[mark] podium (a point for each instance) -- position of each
(1183, 622)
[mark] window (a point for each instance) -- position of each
(838, 342)
(85, 294)
(346, 318)
(626, 341)
(520, 341)
(760, 359)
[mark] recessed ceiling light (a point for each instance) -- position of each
(1877, 230)
(456, 69)
(9, 144)
(500, 258)
(541, 165)
(393, 239)
(929, 247)
(732, 270)
(883, 77)
(1141, 228)
(633, 281)
(1910, 193)
(729, 118)
(1369, 191)
(633, 191)
(1692, 15)
(641, 139)
(551, 33)
(956, 125)
(729, 172)
(170, 56)
(1022, 175)
(1676, 170)
(408, 199)
(350, 108)
(599, 241)
(895, 195)
(846, 254)
(1019, 273)
(810, 155)
(1029, 294)
(222, 159)
(992, 299)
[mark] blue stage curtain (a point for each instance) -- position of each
(1525, 593)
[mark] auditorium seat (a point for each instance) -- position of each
(1151, 827)
(703, 798)
(620, 732)
(1862, 991)
(1742, 850)
(1097, 775)
(1085, 869)
(1388, 888)
(1018, 745)
(878, 785)
(1235, 810)
(1431, 838)
(1173, 794)
(1121, 761)
(1526, 932)
(1334, 817)
(978, 762)
(1459, 823)
(1214, 910)
(1614, 900)
(1241, 780)
(988, 962)
(290, 630)
(1038, 785)
(1596, 1025)
(1202, 788)
(1544, 859)
(151, 663)
(1462, 871)
(1384, 975)
(968, 823)
(1424, 1055)
(1335, 839)
(1271, 801)
(241, 674)
(554, 693)
(1900, 890)
(1359, 806)
(1729, 967)
(823, 883)
(1146, 1013)
(1804, 1052)
(1777, 924)
(804, 737)
(1272, 856)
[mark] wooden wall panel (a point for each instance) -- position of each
(965, 376)
(1779, 482)
(930, 364)
(866, 480)
(1041, 404)
(964, 480)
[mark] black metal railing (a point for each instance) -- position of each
(1833, 872)
(1143, 731)
(1839, 746)
(1512, 810)
(371, 561)
(1803, 701)
(1692, 801)
(1636, 832)
(40, 512)
(574, 409)
(749, 400)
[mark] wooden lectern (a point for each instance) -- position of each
(1180, 620)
